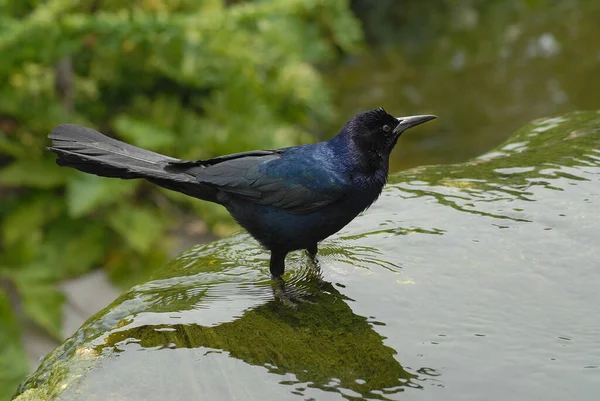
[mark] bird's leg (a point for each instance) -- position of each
(289, 296)
(277, 267)
(311, 251)
(312, 254)
(280, 292)
(277, 264)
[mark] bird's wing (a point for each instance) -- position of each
(297, 186)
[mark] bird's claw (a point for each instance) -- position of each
(287, 297)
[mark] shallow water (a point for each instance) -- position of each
(463, 282)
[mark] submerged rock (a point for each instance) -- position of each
(470, 281)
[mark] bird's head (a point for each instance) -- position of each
(377, 131)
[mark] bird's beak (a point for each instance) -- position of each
(411, 121)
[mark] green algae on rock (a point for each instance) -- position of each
(468, 281)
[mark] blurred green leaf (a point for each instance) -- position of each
(11, 148)
(29, 216)
(139, 227)
(72, 248)
(19, 254)
(40, 173)
(42, 303)
(86, 251)
(142, 133)
(88, 192)
(13, 361)
(126, 268)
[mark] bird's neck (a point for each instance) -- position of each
(369, 165)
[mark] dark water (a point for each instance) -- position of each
(475, 281)
(484, 67)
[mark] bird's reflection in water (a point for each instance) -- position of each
(308, 333)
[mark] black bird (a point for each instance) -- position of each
(288, 199)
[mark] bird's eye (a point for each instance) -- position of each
(386, 128)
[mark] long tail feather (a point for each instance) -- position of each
(90, 151)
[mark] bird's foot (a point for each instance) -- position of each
(288, 295)
(312, 253)
(313, 262)
(314, 271)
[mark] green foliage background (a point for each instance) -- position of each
(189, 78)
